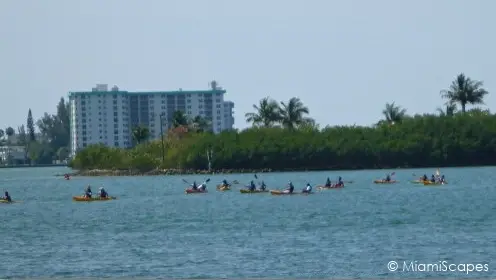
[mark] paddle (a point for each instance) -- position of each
(206, 181)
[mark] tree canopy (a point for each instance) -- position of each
(284, 137)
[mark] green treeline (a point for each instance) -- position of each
(283, 137)
(43, 141)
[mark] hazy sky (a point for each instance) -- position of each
(344, 59)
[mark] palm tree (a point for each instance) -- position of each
(309, 125)
(293, 113)
(179, 119)
(465, 91)
(140, 134)
(266, 113)
(393, 113)
(9, 131)
(201, 124)
(449, 111)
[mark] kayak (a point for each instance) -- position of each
(255, 191)
(191, 191)
(223, 188)
(277, 192)
(82, 198)
(331, 187)
(385, 182)
(5, 201)
(429, 183)
(418, 181)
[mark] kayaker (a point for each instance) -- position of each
(442, 180)
(7, 197)
(194, 186)
(202, 187)
(425, 178)
(388, 178)
(88, 192)
(263, 186)
(307, 189)
(433, 178)
(340, 181)
(328, 183)
(253, 187)
(103, 193)
(225, 183)
(290, 188)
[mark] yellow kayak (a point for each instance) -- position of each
(5, 201)
(418, 181)
(223, 188)
(82, 198)
(429, 183)
(255, 191)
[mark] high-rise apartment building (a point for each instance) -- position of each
(109, 116)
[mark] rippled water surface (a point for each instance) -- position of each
(155, 230)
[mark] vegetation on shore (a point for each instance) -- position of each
(49, 145)
(284, 137)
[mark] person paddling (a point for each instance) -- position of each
(88, 192)
(202, 187)
(225, 183)
(252, 187)
(328, 183)
(7, 197)
(388, 178)
(194, 186)
(290, 188)
(263, 186)
(308, 189)
(103, 193)
(340, 182)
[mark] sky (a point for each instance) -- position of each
(344, 59)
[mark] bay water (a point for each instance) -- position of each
(155, 230)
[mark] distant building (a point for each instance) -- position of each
(12, 154)
(109, 116)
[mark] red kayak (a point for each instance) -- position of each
(190, 191)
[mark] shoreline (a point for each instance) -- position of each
(173, 171)
(34, 165)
